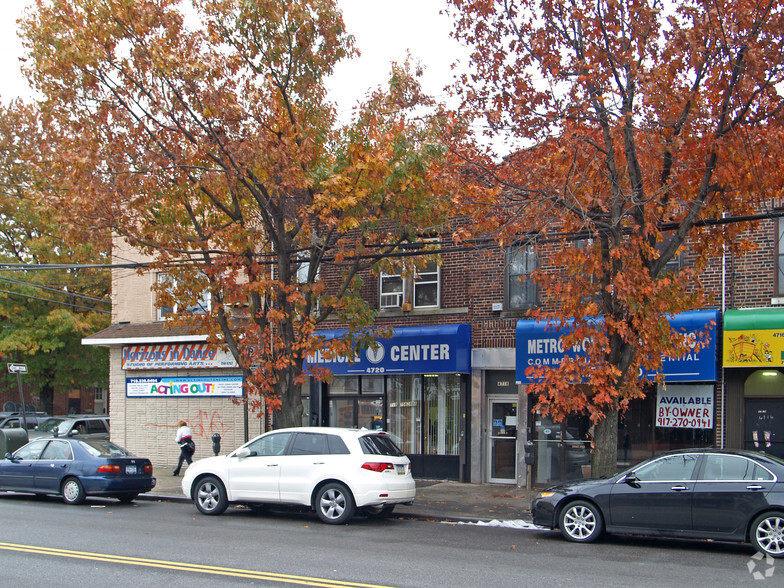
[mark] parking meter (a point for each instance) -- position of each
(216, 443)
(530, 458)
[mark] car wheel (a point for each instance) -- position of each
(127, 498)
(334, 504)
(73, 491)
(210, 496)
(581, 521)
(379, 511)
(767, 534)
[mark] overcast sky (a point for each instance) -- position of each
(384, 30)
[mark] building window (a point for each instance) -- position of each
(674, 265)
(520, 288)
(418, 286)
(202, 306)
(391, 290)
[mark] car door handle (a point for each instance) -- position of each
(318, 463)
(755, 487)
(272, 465)
(680, 488)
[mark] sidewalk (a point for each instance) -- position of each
(436, 499)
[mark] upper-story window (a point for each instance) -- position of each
(520, 288)
(201, 307)
(421, 286)
(674, 265)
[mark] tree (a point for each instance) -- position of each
(640, 124)
(45, 314)
(201, 133)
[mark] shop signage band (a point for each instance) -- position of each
(754, 337)
(539, 344)
(208, 386)
(182, 356)
(442, 349)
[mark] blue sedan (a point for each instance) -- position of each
(75, 469)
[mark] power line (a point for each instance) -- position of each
(29, 297)
(50, 289)
(414, 249)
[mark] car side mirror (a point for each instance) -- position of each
(632, 480)
(242, 452)
(9, 457)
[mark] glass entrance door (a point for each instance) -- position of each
(502, 450)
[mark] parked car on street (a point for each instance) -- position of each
(702, 493)
(15, 420)
(333, 471)
(76, 468)
(86, 426)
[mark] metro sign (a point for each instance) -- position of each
(17, 368)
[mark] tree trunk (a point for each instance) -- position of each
(605, 453)
(290, 413)
(46, 398)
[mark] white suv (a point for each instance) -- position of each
(334, 471)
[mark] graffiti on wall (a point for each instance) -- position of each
(203, 424)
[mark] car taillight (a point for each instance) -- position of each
(377, 467)
(148, 468)
(109, 469)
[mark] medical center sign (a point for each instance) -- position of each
(442, 349)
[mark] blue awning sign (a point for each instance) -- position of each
(541, 344)
(440, 349)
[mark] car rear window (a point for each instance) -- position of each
(379, 445)
(105, 449)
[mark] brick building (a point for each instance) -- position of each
(450, 383)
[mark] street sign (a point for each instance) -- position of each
(17, 368)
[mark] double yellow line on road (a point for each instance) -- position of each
(186, 567)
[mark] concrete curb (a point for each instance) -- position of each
(395, 515)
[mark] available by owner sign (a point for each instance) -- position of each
(685, 407)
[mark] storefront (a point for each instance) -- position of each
(754, 374)
(158, 377)
(681, 413)
(414, 385)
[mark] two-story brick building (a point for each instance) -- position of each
(451, 382)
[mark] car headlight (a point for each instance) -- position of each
(545, 494)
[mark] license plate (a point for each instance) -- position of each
(401, 470)
(131, 469)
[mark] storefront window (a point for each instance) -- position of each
(403, 411)
(344, 385)
(639, 437)
(442, 412)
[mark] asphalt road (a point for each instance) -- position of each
(103, 543)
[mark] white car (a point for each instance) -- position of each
(334, 471)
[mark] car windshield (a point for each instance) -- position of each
(49, 424)
(105, 449)
(379, 445)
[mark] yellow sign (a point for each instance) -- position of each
(757, 348)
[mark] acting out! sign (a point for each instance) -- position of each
(183, 386)
(685, 407)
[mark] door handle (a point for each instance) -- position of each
(680, 488)
(272, 465)
(754, 487)
(318, 463)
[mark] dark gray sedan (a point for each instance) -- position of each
(700, 493)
